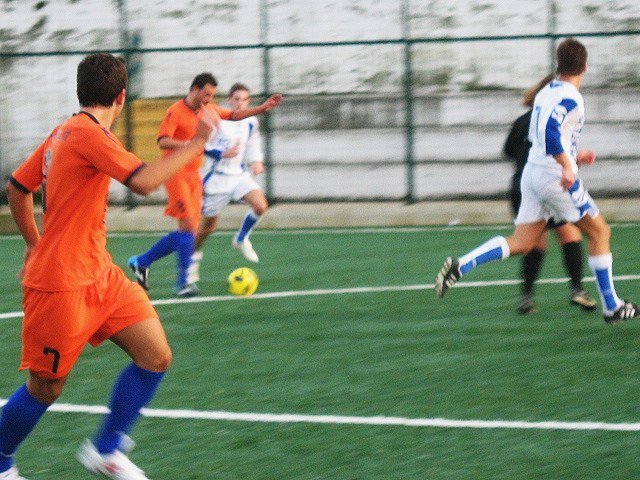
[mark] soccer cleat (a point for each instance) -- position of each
(11, 474)
(626, 311)
(526, 305)
(114, 465)
(188, 290)
(449, 274)
(582, 299)
(193, 272)
(246, 248)
(141, 273)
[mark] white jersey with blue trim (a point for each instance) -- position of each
(243, 134)
(556, 121)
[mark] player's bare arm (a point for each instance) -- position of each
(568, 177)
(149, 178)
(168, 143)
(272, 102)
(21, 205)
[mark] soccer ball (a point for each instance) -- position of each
(243, 281)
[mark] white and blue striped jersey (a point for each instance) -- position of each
(556, 121)
(242, 133)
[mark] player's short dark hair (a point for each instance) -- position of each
(572, 57)
(237, 86)
(202, 79)
(101, 77)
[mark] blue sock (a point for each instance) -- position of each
(132, 391)
(20, 414)
(186, 245)
(494, 249)
(250, 220)
(163, 247)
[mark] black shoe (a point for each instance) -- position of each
(626, 311)
(582, 299)
(526, 305)
(449, 274)
(188, 290)
(141, 273)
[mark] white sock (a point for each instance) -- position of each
(496, 248)
(602, 268)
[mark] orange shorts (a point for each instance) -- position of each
(184, 196)
(57, 325)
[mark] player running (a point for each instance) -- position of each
(184, 190)
(73, 293)
(550, 188)
(233, 149)
(568, 235)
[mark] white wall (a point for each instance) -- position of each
(37, 92)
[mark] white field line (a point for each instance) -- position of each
(347, 291)
(350, 420)
(337, 231)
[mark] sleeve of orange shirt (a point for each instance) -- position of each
(169, 124)
(29, 174)
(102, 149)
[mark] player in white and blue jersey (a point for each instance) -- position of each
(551, 189)
(568, 235)
(232, 156)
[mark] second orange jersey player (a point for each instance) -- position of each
(184, 190)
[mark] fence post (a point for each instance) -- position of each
(552, 23)
(266, 80)
(125, 44)
(408, 103)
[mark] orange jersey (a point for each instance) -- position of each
(74, 166)
(180, 122)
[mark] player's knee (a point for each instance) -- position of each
(44, 390)
(260, 208)
(161, 361)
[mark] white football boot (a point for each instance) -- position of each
(246, 248)
(116, 465)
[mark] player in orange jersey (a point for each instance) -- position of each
(184, 190)
(73, 292)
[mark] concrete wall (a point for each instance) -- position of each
(327, 145)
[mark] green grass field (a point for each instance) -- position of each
(398, 352)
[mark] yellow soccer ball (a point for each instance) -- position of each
(243, 281)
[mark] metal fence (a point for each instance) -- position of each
(403, 113)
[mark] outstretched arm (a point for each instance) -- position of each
(272, 102)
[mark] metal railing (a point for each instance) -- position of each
(130, 48)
